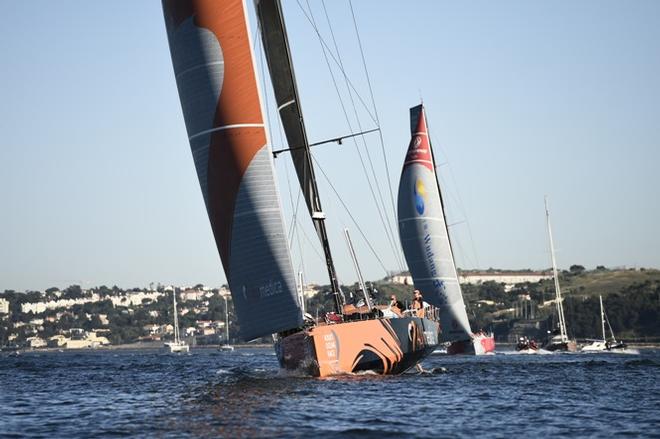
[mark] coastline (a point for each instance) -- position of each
(141, 346)
(157, 346)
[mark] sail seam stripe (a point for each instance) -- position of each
(199, 66)
(437, 277)
(418, 161)
(430, 237)
(286, 104)
(227, 127)
(274, 209)
(427, 218)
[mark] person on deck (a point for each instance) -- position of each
(396, 306)
(418, 304)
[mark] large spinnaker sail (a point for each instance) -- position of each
(215, 75)
(424, 235)
(280, 66)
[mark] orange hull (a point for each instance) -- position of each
(385, 346)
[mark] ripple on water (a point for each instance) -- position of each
(116, 393)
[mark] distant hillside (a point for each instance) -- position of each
(632, 301)
(605, 282)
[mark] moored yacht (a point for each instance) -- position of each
(557, 340)
(226, 347)
(605, 345)
(177, 345)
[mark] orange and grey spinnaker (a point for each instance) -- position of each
(215, 75)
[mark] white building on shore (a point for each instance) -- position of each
(508, 278)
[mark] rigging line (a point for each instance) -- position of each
(293, 229)
(300, 249)
(339, 140)
(351, 216)
(389, 219)
(373, 102)
(460, 201)
(313, 245)
(294, 221)
(388, 232)
(467, 222)
(294, 209)
(366, 108)
(257, 44)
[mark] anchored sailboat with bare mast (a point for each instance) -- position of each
(605, 344)
(177, 345)
(558, 338)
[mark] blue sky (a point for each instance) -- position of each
(524, 99)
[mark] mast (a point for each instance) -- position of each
(280, 66)
(610, 327)
(176, 320)
(358, 272)
(226, 321)
(301, 292)
(602, 316)
(558, 298)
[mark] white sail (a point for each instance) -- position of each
(424, 235)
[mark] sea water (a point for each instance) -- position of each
(208, 393)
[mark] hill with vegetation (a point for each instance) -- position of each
(631, 298)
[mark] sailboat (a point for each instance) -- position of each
(215, 73)
(426, 243)
(558, 338)
(604, 345)
(226, 346)
(177, 345)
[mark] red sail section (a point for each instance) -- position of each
(233, 145)
(419, 150)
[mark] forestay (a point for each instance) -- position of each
(215, 74)
(424, 235)
(280, 66)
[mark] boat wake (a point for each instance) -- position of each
(433, 371)
(614, 351)
(526, 352)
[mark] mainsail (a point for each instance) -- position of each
(278, 56)
(424, 235)
(215, 74)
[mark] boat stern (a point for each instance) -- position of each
(385, 346)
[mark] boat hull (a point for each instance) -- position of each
(566, 346)
(602, 346)
(174, 348)
(384, 346)
(479, 345)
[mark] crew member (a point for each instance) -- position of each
(396, 306)
(418, 303)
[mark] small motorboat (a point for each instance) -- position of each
(226, 348)
(525, 345)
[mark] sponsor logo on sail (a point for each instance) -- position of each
(419, 192)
